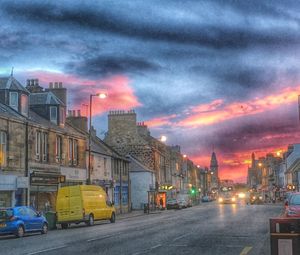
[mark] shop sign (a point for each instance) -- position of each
(46, 180)
(22, 182)
(74, 174)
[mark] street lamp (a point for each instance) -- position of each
(101, 96)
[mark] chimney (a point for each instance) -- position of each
(78, 121)
(33, 86)
(58, 90)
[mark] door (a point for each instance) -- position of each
(36, 221)
(21, 212)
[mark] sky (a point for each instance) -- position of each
(220, 75)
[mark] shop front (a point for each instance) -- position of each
(13, 190)
(107, 185)
(74, 176)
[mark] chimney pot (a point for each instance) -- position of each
(50, 85)
(78, 113)
(60, 85)
(56, 85)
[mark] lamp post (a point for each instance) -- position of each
(101, 96)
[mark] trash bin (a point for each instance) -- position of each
(146, 208)
(285, 236)
(51, 218)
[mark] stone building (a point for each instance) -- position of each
(129, 137)
(109, 169)
(42, 151)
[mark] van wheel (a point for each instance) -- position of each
(44, 229)
(113, 218)
(64, 225)
(20, 231)
(91, 220)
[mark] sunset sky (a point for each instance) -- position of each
(222, 74)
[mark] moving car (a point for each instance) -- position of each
(293, 206)
(172, 203)
(256, 198)
(20, 220)
(227, 198)
(83, 203)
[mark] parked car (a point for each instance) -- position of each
(206, 199)
(21, 220)
(172, 203)
(83, 203)
(187, 199)
(182, 203)
(292, 208)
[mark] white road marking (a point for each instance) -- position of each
(100, 238)
(147, 250)
(246, 250)
(45, 250)
(179, 237)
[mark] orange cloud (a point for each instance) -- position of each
(120, 94)
(216, 111)
(160, 121)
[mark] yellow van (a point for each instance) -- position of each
(83, 203)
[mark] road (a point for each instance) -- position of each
(206, 229)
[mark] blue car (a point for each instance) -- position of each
(20, 220)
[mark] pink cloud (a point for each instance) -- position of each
(120, 94)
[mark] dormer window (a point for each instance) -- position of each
(13, 100)
(53, 114)
(24, 105)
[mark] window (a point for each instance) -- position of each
(38, 145)
(24, 105)
(70, 151)
(58, 149)
(45, 146)
(3, 149)
(53, 114)
(105, 166)
(13, 100)
(73, 152)
(62, 116)
(75, 156)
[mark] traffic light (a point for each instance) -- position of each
(193, 191)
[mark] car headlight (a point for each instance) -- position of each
(233, 199)
(220, 199)
(260, 197)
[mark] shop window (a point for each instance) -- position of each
(14, 100)
(3, 149)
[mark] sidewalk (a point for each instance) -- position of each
(136, 213)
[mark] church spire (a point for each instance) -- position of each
(213, 160)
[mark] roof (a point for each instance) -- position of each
(43, 98)
(12, 84)
(8, 112)
(138, 166)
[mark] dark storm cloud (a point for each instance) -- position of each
(215, 36)
(13, 41)
(110, 65)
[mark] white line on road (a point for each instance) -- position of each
(179, 237)
(177, 245)
(45, 250)
(246, 250)
(100, 238)
(147, 250)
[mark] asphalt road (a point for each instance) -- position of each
(206, 229)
